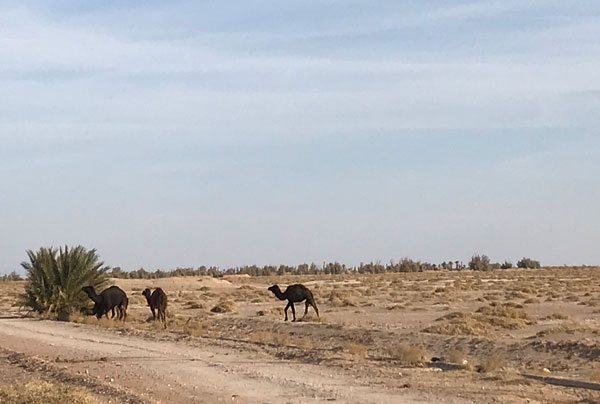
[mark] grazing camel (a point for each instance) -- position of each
(294, 294)
(157, 301)
(107, 300)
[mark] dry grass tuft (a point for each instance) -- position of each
(357, 350)
(342, 299)
(280, 338)
(225, 305)
(310, 318)
(492, 363)
(38, 391)
(485, 322)
(557, 316)
(457, 357)
(193, 305)
(594, 375)
(461, 324)
(102, 322)
(532, 300)
(408, 354)
(195, 328)
(507, 316)
(305, 343)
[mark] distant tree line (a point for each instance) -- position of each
(13, 276)
(477, 263)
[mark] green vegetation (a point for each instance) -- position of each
(528, 263)
(477, 263)
(55, 278)
(480, 263)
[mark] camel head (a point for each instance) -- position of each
(274, 289)
(146, 293)
(88, 289)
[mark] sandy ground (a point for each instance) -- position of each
(175, 372)
(373, 343)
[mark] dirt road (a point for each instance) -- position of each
(125, 368)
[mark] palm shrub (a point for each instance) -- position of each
(55, 278)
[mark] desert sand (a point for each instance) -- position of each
(448, 337)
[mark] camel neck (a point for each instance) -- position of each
(92, 294)
(279, 294)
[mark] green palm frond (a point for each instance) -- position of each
(55, 278)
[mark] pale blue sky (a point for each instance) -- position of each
(191, 133)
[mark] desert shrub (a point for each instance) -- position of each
(55, 278)
(408, 265)
(480, 263)
(38, 391)
(528, 263)
(506, 265)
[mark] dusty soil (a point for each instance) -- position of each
(373, 342)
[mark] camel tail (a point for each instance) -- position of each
(313, 303)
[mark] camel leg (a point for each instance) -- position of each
(286, 309)
(154, 314)
(293, 311)
(305, 308)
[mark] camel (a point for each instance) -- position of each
(295, 294)
(157, 301)
(107, 300)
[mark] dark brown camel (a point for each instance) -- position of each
(107, 300)
(295, 294)
(157, 301)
